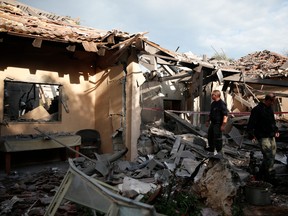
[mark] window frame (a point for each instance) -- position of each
(17, 95)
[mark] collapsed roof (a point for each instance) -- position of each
(20, 20)
(262, 68)
(24, 21)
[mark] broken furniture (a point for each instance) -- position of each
(90, 141)
(90, 192)
(21, 143)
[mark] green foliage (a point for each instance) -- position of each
(179, 203)
(177, 199)
(237, 207)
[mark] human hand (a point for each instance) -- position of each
(277, 134)
(222, 128)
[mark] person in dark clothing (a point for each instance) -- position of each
(262, 127)
(216, 122)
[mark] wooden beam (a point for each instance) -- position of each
(186, 124)
(272, 82)
(176, 76)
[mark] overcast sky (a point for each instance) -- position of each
(234, 27)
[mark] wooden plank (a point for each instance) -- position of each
(176, 76)
(272, 82)
(177, 159)
(186, 124)
(176, 145)
(168, 70)
(249, 104)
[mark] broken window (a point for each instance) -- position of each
(31, 101)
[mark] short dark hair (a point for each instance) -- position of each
(216, 92)
(270, 97)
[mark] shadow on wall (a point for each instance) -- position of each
(48, 58)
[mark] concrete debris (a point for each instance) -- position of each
(217, 179)
(263, 64)
(165, 157)
(218, 186)
(136, 185)
(178, 162)
(7, 205)
(26, 193)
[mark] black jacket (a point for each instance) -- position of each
(262, 122)
(218, 111)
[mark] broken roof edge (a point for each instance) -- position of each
(15, 19)
(241, 79)
(31, 11)
(179, 58)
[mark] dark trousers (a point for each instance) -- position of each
(215, 137)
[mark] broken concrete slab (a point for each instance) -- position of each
(218, 185)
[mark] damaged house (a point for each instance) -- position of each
(66, 85)
(63, 78)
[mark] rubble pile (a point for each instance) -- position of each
(219, 196)
(263, 64)
(30, 193)
(169, 171)
(179, 163)
(168, 160)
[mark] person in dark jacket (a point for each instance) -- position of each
(216, 122)
(262, 127)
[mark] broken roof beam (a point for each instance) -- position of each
(247, 103)
(89, 46)
(122, 47)
(170, 70)
(154, 48)
(161, 61)
(124, 44)
(180, 75)
(186, 124)
(174, 60)
(238, 78)
(279, 94)
(148, 61)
